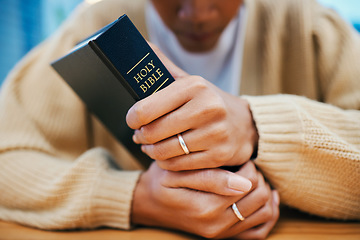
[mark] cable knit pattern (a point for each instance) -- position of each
(61, 169)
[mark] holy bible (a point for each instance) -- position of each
(110, 71)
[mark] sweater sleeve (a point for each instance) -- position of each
(310, 152)
(46, 192)
(53, 175)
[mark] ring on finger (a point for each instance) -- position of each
(237, 212)
(183, 144)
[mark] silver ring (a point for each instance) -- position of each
(182, 144)
(237, 212)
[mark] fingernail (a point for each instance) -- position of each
(239, 183)
(134, 137)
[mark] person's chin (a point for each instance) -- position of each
(198, 43)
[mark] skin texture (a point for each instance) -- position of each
(176, 200)
(198, 193)
(197, 24)
(217, 127)
(190, 192)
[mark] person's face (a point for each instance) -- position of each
(197, 24)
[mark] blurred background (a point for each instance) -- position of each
(25, 23)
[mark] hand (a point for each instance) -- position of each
(217, 127)
(199, 202)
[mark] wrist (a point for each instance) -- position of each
(136, 211)
(141, 213)
(254, 135)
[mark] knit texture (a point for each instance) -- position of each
(62, 169)
(56, 173)
(309, 151)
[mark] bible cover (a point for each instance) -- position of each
(111, 70)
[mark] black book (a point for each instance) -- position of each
(110, 71)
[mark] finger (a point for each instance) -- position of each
(207, 102)
(210, 158)
(248, 205)
(263, 230)
(216, 181)
(154, 106)
(169, 148)
(193, 161)
(166, 149)
(249, 171)
(261, 216)
(167, 125)
(255, 200)
(196, 140)
(175, 71)
(196, 110)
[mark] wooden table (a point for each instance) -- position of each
(292, 225)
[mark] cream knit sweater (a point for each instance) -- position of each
(61, 169)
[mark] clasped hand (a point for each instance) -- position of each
(199, 202)
(217, 127)
(188, 191)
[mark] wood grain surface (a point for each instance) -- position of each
(292, 225)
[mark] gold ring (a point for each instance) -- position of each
(237, 212)
(182, 144)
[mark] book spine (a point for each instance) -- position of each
(148, 75)
(114, 70)
(128, 52)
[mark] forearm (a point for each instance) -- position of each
(310, 152)
(49, 193)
